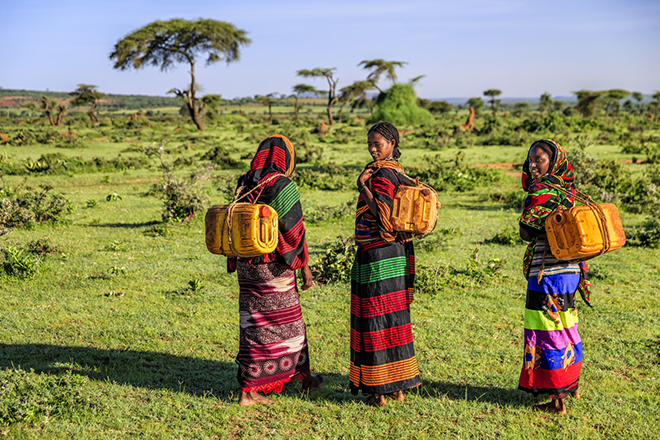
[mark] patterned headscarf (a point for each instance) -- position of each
(275, 155)
(543, 198)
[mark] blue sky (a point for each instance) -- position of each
(523, 48)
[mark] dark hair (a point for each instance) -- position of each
(389, 132)
(547, 148)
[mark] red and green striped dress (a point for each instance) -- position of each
(382, 353)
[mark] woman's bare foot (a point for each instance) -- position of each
(576, 395)
(253, 398)
(311, 383)
(555, 406)
(397, 395)
(377, 400)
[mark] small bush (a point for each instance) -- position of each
(648, 235)
(446, 175)
(505, 238)
(17, 263)
(183, 199)
(42, 247)
(432, 279)
(511, 200)
(23, 206)
(219, 156)
(315, 214)
(335, 265)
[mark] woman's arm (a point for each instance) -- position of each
(366, 192)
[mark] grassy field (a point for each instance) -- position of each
(129, 328)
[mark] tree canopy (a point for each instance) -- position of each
(379, 67)
(87, 94)
(328, 74)
(165, 43)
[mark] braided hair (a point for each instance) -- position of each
(389, 132)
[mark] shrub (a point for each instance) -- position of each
(648, 235)
(183, 198)
(511, 200)
(505, 238)
(398, 105)
(445, 175)
(431, 279)
(17, 263)
(24, 206)
(219, 156)
(335, 265)
(329, 177)
(42, 246)
(315, 214)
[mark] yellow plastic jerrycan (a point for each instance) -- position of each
(579, 233)
(414, 209)
(249, 230)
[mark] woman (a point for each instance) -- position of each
(383, 359)
(553, 349)
(273, 343)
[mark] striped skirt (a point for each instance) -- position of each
(382, 354)
(273, 342)
(553, 348)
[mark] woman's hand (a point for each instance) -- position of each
(307, 277)
(366, 175)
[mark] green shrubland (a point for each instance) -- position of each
(117, 323)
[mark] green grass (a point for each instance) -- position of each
(90, 351)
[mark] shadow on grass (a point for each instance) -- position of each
(137, 368)
(126, 225)
(490, 394)
(203, 377)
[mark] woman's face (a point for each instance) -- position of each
(539, 162)
(379, 147)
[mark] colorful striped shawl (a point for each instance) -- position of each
(383, 184)
(274, 156)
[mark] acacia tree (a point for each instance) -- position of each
(492, 93)
(545, 103)
(587, 102)
(87, 94)
(637, 96)
(299, 89)
(476, 103)
(656, 97)
(613, 97)
(48, 107)
(164, 43)
(356, 91)
(379, 67)
(332, 84)
(268, 100)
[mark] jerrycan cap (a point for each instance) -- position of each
(264, 211)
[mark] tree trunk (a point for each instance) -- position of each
(270, 115)
(60, 115)
(92, 112)
(295, 111)
(341, 110)
(192, 101)
(50, 117)
(194, 114)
